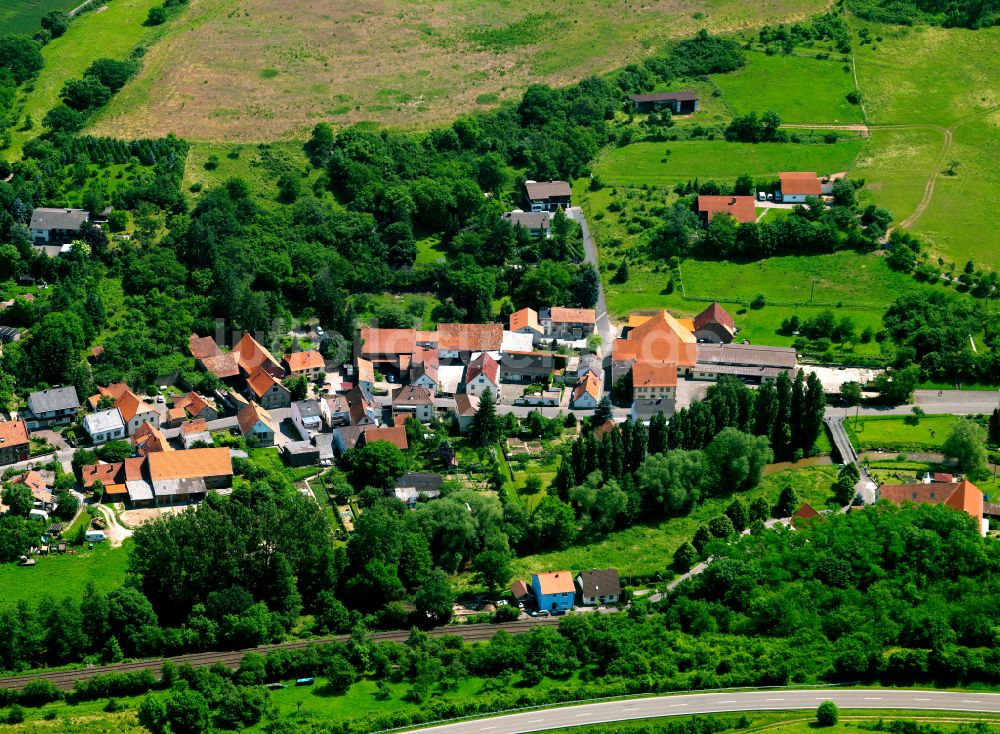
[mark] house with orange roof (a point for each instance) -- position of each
(391, 350)
(396, 435)
(266, 389)
(570, 324)
(526, 321)
(654, 380)
(483, 375)
(113, 391)
(252, 355)
(425, 369)
(195, 431)
(465, 410)
(225, 366)
(714, 325)
(192, 405)
(365, 372)
(255, 422)
(203, 347)
(554, 591)
(797, 185)
(308, 363)
(184, 476)
(149, 439)
(742, 208)
(660, 339)
(135, 411)
(963, 496)
(587, 393)
(40, 491)
(460, 341)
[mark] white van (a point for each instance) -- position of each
(96, 536)
(38, 515)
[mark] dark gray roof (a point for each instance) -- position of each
(665, 97)
(603, 582)
(528, 220)
(308, 408)
(323, 442)
(747, 354)
(171, 487)
(58, 398)
(300, 448)
(645, 408)
(421, 481)
(547, 189)
(44, 218)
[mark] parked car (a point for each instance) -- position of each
(541, 613)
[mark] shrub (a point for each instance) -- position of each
(827, 714)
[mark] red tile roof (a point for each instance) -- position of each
(556, 582)
(310, 359)
(203, 346)
(964, 496)
(260, 381)
(251, 413)
(661, 338)
(715, 314)
(741, 207)
(213, 462)
(413, 395)
(223, 365)
(470, 337)
(801, 183)
(484, 364)
(388, 341)
(561, 315)
(525, 318)
(589, 385)
(466, 405)
(13, 433)
(252, 354)
(198, 425)
(654, 374)
(395, 435)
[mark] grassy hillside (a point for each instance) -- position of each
(799, 89)
(22, 16)
(649, 163)
(256, 70)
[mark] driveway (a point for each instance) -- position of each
(604, 326)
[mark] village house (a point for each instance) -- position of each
(679, 103)
(548, 195)
(804, 514)
(527, 367)
(534, 223)
(300, 453)
(253, 356)
(266, 389)
(963, 496)
(413, 486)
(336, 410)
(413, 401)
(587, 393)
(41, 493)
(192, 405)
(659, 339)
(391, 350)
(570, 324)
(104, 426)
(483, 375)
(50, 225)
(425, 368)
(461, 341)
(135, 411)
(750, 363)
(364, 371)
(195, 431)
(365, 411)
(55, 407)
(714, 325)
(553, 591)
(599, 587)
(796, 186)
(9, 334)
(643, 410)
(465, 410)
(526, 321)
(149, 440)
(255, 422)
(225, 366)
(14, 442)
(307, 416)
(162, 478)
(203, 347)
(308, 363)
(654, 380)
(742, 208)
(396, 435)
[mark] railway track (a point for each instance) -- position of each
(65, 679)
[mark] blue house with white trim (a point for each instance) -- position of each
(554, 591)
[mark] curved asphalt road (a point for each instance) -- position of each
(726, 702)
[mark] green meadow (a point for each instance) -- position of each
(651, 163)
(22, 16)
(800, 89)
(64, 575)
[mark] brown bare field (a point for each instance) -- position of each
(259, 70)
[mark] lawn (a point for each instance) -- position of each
(256, 70)
(649, 163)
(270, 459)
(800, 90)
(64, 575)
(892, 433)
(22, 16)
(110, 33)
(260, 166)
(647, 549)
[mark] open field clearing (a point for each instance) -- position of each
(64, 575)
(110, 33)
(894, 165)
(260, 71)
(649, 163)
(799, 89)
(22, 16)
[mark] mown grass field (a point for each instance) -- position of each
(892, 433)
(256, 70)
(649, 163)
(648, 549)
(64, 575)
(798, 88)
(110, 33)
(22, 16)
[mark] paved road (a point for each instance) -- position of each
(840, 440)
(960, 402)
(730, 701)
(604, 326)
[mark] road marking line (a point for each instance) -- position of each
(678, 704)
(774, 699)
(727, 701)
(921, 699)
(578, 715)
(965, 701)
(535, 721)
(487, 728)
(872, 698)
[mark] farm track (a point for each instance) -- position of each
(65, 679)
